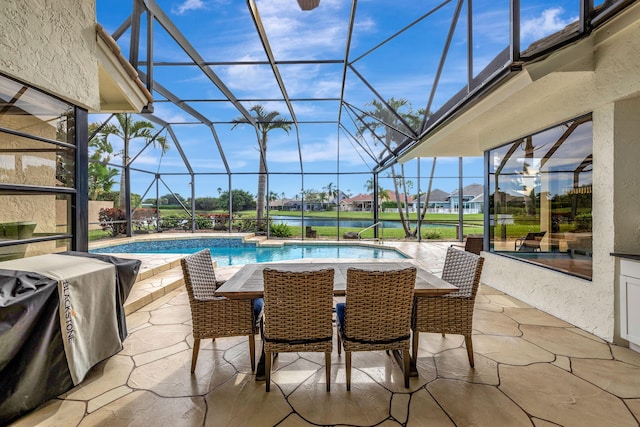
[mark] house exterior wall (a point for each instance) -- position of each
(52, 45)
(610, 92)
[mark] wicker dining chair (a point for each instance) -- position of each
(298, 311)
(451, 313)
(376, 314)
(213, 316)
(473, 244)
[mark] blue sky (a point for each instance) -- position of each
(404, 67)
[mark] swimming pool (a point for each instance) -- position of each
(228, 252)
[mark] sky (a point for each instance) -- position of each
(395, 53)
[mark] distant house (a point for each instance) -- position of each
(443, 202)
(394, 198)
(472, 199)
(438, 199)
(359, 203)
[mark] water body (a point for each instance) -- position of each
(229, 251)
(351, 223)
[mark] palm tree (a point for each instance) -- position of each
(332, 192)
(265, 122)
(128, 129)
(101, 176)
(380, 117)
(273, 196)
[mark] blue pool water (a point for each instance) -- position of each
(236, 252)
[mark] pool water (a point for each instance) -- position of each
(227, 252)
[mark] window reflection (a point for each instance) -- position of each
(37, 171)
(540, 198)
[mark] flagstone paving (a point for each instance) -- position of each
(531, 370)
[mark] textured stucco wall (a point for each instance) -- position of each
(94, 212)
(51, 44)
(583, 303)
(30, 168)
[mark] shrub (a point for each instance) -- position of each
(107, 218)
(203, 222)
(281, 230)
(174, 222)
(584, 222)
(432, 235)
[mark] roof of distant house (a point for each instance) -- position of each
(436, 195)
(469, 190)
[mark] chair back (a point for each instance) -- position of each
(199, 275)
(474, 244)
(531, 242)
(462, 269)
(298, 310)
(378, 311)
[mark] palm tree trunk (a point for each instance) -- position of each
(406, 201)
(122, 203)
(426, 198)
(399, 203)
(262, 183)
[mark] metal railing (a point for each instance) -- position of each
(372, 226)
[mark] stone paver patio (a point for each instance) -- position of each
(532, 369)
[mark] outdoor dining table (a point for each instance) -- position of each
(248, 283)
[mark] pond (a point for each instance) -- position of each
(350, 223)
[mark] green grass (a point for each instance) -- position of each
(98, 235)
(441, 218)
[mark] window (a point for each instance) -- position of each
(37, 171)
(540, 198)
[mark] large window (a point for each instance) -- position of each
(540, 197)
(37, 171)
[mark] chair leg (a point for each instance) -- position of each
(267, 370)
(347, 355)
(339, 344)
(406, 361)
(467, 341)
(415, 344)
(194, 355)
(252, 351)
(327, 364)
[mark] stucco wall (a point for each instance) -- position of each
(94, 213)
(51, 44)
(583, 303)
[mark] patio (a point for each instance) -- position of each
(531, 369)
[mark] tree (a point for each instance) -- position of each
(382, 193)
(173, 199)
(322, 198)
(332, 192)
(127, 130)
(384, 124)
(205, 203)
(265, 122)
(101, 176)
(241, 201)
(272, 196)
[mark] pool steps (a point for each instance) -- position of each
(155, 279)
(160, 275)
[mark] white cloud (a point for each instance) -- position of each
(549, 21)
(188, 5)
